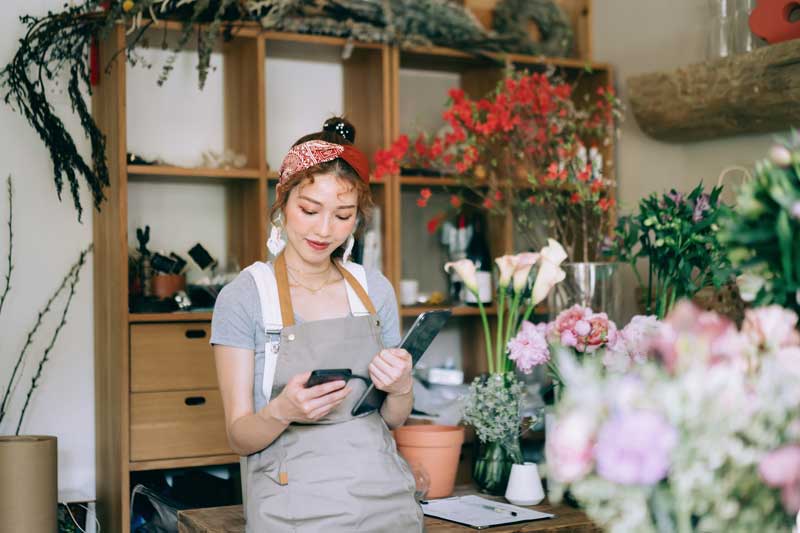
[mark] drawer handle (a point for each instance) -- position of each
(195, 333)
(194, 400)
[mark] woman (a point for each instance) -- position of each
(311, 466)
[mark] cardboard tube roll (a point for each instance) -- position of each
(29, 483)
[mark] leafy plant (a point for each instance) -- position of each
(677, 235)
(763, 230)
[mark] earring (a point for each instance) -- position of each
(275, 243)
(348, 249)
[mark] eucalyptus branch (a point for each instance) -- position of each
(12, 381)
(10, 245)
(74, 278)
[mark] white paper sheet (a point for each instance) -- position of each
(478, 512)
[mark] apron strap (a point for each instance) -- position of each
(359, 290)
(285, 298)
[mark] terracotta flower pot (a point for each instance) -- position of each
(437, 449)
(165, 285)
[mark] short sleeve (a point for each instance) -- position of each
(234, 320)
(383, 298)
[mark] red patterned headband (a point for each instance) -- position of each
(312, 153)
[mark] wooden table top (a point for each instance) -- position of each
(568, 519)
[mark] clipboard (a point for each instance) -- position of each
(479, 513)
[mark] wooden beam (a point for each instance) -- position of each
(755, 92)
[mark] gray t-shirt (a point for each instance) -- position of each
(237, 320)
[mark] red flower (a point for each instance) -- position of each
(487, 203)
(425, 193)
(575, 198)
(498, 196)
(585, 174)
(455, 201)
(422, 202)
(532, 200)
(456, 94)
(606, 203)
(419, 146)
(433, 224)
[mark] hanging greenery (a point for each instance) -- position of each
(59, 44)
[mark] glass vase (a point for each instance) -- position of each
(492, 464)
(594, 285)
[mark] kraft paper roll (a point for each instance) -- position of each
(29, 483)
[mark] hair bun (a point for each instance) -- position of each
(340, 126)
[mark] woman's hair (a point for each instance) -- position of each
(339, 131)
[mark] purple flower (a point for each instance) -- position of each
(634, 447)
(529, 348)
(675, 196)
(700, 207)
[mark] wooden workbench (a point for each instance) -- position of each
(231, 520)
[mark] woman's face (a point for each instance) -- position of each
(320, 216)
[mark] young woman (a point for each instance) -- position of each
(311, 465)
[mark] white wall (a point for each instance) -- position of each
(635, 36)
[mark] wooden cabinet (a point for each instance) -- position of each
(157, 403)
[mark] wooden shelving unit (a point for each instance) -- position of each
(127, 345)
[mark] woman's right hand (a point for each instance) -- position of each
(296, 403)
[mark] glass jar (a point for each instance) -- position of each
(743, 39)
(719, 42)
(492, 465)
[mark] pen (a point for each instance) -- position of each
(499, 510)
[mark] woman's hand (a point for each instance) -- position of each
(390, 371)
(296, 403)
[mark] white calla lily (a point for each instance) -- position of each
(466, 271)
(550, 272)
(506, 265)
(525, 262)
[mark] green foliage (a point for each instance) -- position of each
(493, 408)
(677, 235)
(763, 229)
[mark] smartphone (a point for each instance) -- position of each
(318, 377)
(419, 337)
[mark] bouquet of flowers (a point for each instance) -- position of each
(528, 143)
(583, 333)
(677, 234)
(493, 405)
(763, 229)
(702, 435)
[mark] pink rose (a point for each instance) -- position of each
(569, 448)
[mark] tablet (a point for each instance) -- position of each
(419, 337)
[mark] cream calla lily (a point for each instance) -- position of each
(550, 272)
(507, 265)
(466, 271)
(525, 262)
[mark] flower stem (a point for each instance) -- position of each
(486, 334)
(499, 340)
(512, 321)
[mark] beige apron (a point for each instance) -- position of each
(342, 474)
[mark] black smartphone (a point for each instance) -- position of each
(419, 337)
(318, 377)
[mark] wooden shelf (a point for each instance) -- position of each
(429, 181)
(756, 92)
(186, 462)
(503, 57)
(186, 172)
(326, 40)
(200, 316)
(459, 310)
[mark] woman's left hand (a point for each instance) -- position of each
(390, 371)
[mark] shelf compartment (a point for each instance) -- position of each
(184, 462)
(187, 172)
(142, 318)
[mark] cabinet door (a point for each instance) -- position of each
(172, 357)
(168, 425)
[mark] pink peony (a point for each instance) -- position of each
(569, 448)
(580, 328)
(529, 348)
(771, 327)
(789, 359)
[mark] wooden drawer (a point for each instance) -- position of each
(172, 357)
(166, 425)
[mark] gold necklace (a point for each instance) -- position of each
(327, 270)
(311, 289)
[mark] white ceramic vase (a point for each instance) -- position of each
(524, 485)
